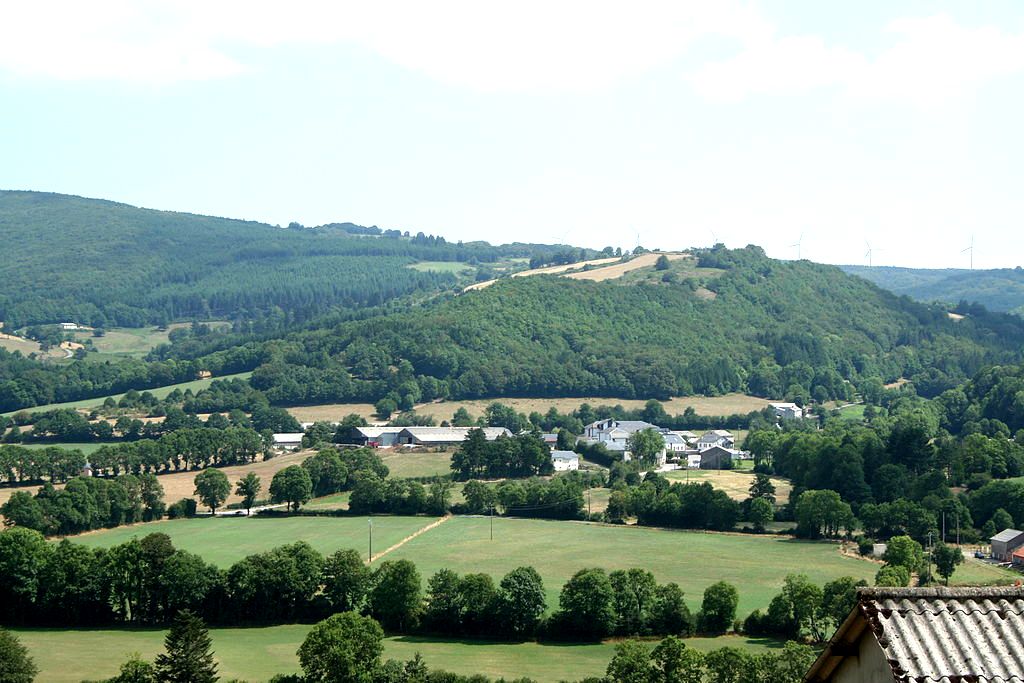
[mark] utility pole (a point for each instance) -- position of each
(492, 522)
(369, 558)
(589, 511)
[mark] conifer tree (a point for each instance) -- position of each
(189, 658)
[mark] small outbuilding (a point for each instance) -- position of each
(565, 461)
(1005, 542)
(925, 635)
(288, 440)
(717, 458)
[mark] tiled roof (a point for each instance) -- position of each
(944, 635)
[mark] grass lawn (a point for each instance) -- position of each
(134, 342)
(335, 501)
(225, 540)
(404, 463)
(256, 654)
(975, 573)
(854, 413)
(86, 448)
(159, 392)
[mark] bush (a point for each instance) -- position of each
(865, 545)
(186, 507)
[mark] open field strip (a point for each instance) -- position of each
(86, 448)
(257, 654)
(159, 392)
(453, 267)
(620, 269)
(225, 540)
(404, 464)
(557, 549)
(419, 532)
(548, 270)
(135, 341)
(180, 485)
(727, 404)
(734, 482)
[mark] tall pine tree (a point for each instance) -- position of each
(189, 658)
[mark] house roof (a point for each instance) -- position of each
(1019, 552)
(451, 434)
(936, 635)
(1006, 535)
(373, 432)
(564, 455)
(715, 434)
(288, 437)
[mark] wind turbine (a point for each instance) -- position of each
(714, 237)
(971, 250)
(870, 252)
(797, 245)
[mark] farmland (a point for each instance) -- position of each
(159, 392)
(734, 482)
(256, 654)
(178, 485)
(557, 549)
(133, 341)
(612, 272)
(727, 404)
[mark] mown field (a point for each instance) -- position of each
(134, 341)
(159, 392)
(557, 549)
(257, 654)
(727, 404)
(224, 540)
(734, 482)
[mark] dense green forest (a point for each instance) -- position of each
(997, 289)
(775, 329)
(103, 264)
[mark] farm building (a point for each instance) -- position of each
(716, 437)
(614, 433)
(717, 458)
(674, 442)
(1005, 542)
(549, 438)
(288, 440)
(565, 461)
(374, 437)
(444, 436)
(68, 327)
(906, 635)
(1017, 557)
(787, 411)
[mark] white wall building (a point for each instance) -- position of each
(565, 461)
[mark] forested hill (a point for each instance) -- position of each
(998, 289)
(773, 328)
(102, 263)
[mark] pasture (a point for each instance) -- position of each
(557, 549)
(736, 483)
(225, 540)
(135, 342)
(86, 448)
(159, 392)
(727, 404)
(256, 654)
(403, 464)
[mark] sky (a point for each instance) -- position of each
(814, 129)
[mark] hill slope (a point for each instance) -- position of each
(768, 327)
(998, 289)
(103, 263)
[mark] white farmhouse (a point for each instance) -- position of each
(565, 461)
(787, 411)
(716, 437)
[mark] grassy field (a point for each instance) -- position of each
(134, 341)
(443, 410)
(225, 540)
(756, 564)
(159, 392)
(734, 482)
(853, 412)
(86, 448)
(403, 464)
(256, 654)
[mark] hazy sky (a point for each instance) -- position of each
(588, 122)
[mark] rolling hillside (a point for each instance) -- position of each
(998, 290)
(739, 322)
(107, 264)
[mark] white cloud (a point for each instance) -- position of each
(529, 45)
(933, 59)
